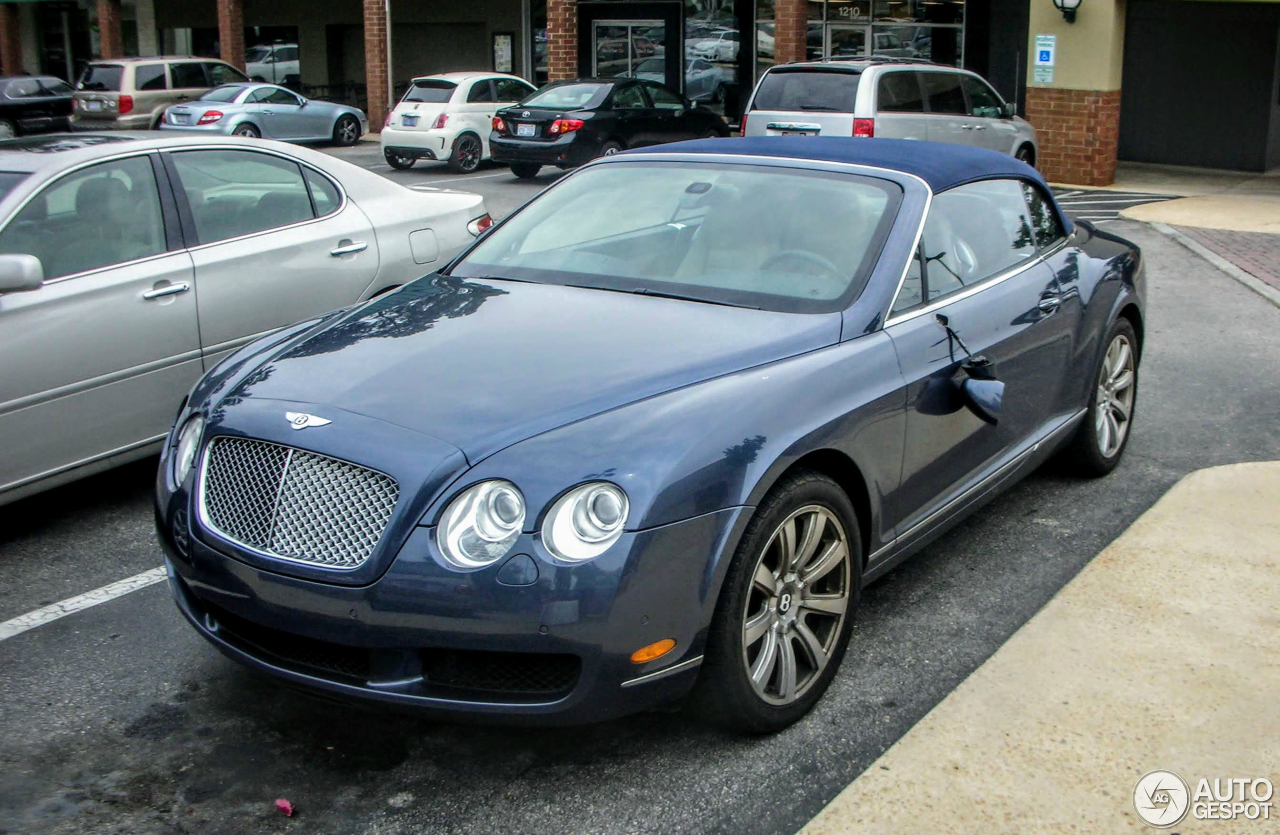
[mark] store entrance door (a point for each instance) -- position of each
(632, 40)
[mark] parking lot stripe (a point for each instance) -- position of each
(80, 602)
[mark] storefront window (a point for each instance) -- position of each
(766, 56)
(538, 38)
(271, 54)
(712, 44)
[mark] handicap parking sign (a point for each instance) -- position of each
(1046, 55)
(1046, 47)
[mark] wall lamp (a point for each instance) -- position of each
(1068, 9)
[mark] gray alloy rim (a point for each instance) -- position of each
(611, 150)
(1115, 396)
(1024, 155)
(246, 131)
(469, 153)
(348, 130)
(6, 130)
(796, 606)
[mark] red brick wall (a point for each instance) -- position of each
(1078, 132)
(10, 43)
(562, 40)
(109, 43)
(375, 62)
(231, 31)
(790, 30)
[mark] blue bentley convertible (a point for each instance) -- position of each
(649, 436)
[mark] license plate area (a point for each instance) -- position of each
(798, 133)
(409, 121)
(793, 129)
(526, 130)
(93, 105)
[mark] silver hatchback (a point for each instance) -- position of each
(131, 264)
(887, 99)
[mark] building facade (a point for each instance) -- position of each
(1185, 82)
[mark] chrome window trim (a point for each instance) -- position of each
(208, 525)
(270, 152)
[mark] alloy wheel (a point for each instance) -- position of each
(348, 131)
(6, 129)
(246, 131)
(469, 152)
(795, 611)
(1114, 403)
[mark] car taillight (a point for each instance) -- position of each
(742, 129)
(126, 104)
(864, 127)
(441, 121)
(210, 117)
(498, 124)
(480, 225)
(565, 126)
(386, 123)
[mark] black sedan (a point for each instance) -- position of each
(33, 104)
(571, 122)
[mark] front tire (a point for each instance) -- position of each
(467, 151)
(782, 621)
(525, 170)
(1101, 439)
(346, 132)
(1025, 154)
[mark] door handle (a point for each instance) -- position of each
(1049, 303)
(966, 127)
(348, 247)
(268, 113)
(979, 127)
(167, 290)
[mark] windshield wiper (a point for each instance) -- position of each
(816, 107)
(644, 291)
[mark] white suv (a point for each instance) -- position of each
(889, 99)
(449, 117)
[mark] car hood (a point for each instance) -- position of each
(483, 364)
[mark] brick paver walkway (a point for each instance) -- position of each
(1257, 253)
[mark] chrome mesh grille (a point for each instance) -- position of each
(295, 504)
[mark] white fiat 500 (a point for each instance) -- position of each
(447, 117)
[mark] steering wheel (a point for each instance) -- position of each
(805, 255)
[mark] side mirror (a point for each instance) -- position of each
(982, 392)
(1010, 110)
(20, 273)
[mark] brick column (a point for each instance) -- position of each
(377, 82)
(110, 44)
(562, 40)
(231, 31)
(790, 30)
(1078, 132)
(10, 40)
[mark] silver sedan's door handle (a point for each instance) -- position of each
(1049, 304)
(979, 127)
(347, 247)
(966, 127)
(167, 290)
(268, 113)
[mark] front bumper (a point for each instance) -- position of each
(568, 151)
(407, 638)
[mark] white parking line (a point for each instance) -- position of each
(461, 181)
(80, 602)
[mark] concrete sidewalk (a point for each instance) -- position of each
(1163, 653)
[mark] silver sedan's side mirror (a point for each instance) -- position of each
(20, 273)
(1009, 110)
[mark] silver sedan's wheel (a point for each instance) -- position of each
(7, 130)
(246, 130)
(1115, 396)
(795, 611)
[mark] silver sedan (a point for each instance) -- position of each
(132, 263)
(269, 111)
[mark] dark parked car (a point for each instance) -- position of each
(571, 122)
(34, 104)
(652, 433)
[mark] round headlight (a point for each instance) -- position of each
(481, 524)
(584, 522)
(188, 445)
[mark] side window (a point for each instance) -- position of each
(187, 74)
(149, 77)
(628, 98)
(899, 92)
(1045, 222)
(233, 193)
(912, 292)
(220, 73)
(944, 92)
(664, 99)
(56, 87)
(275, 95)
(324, 194)
(23, 88)
(972, 233)
(983, 101)
(481, 93)
(511, 89)
(288, 53)
(102, 215)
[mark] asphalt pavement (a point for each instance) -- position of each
(120, 719)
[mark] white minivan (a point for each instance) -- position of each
(889, 99)
(448, 117)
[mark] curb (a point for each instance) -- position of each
(1258, 286)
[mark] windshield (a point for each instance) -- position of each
(658, 66)
(101, 77)
(807, 90)
(430, 91)
(775, 238)
(568, 96)
(227, 92)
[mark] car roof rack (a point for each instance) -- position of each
(871, 60)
